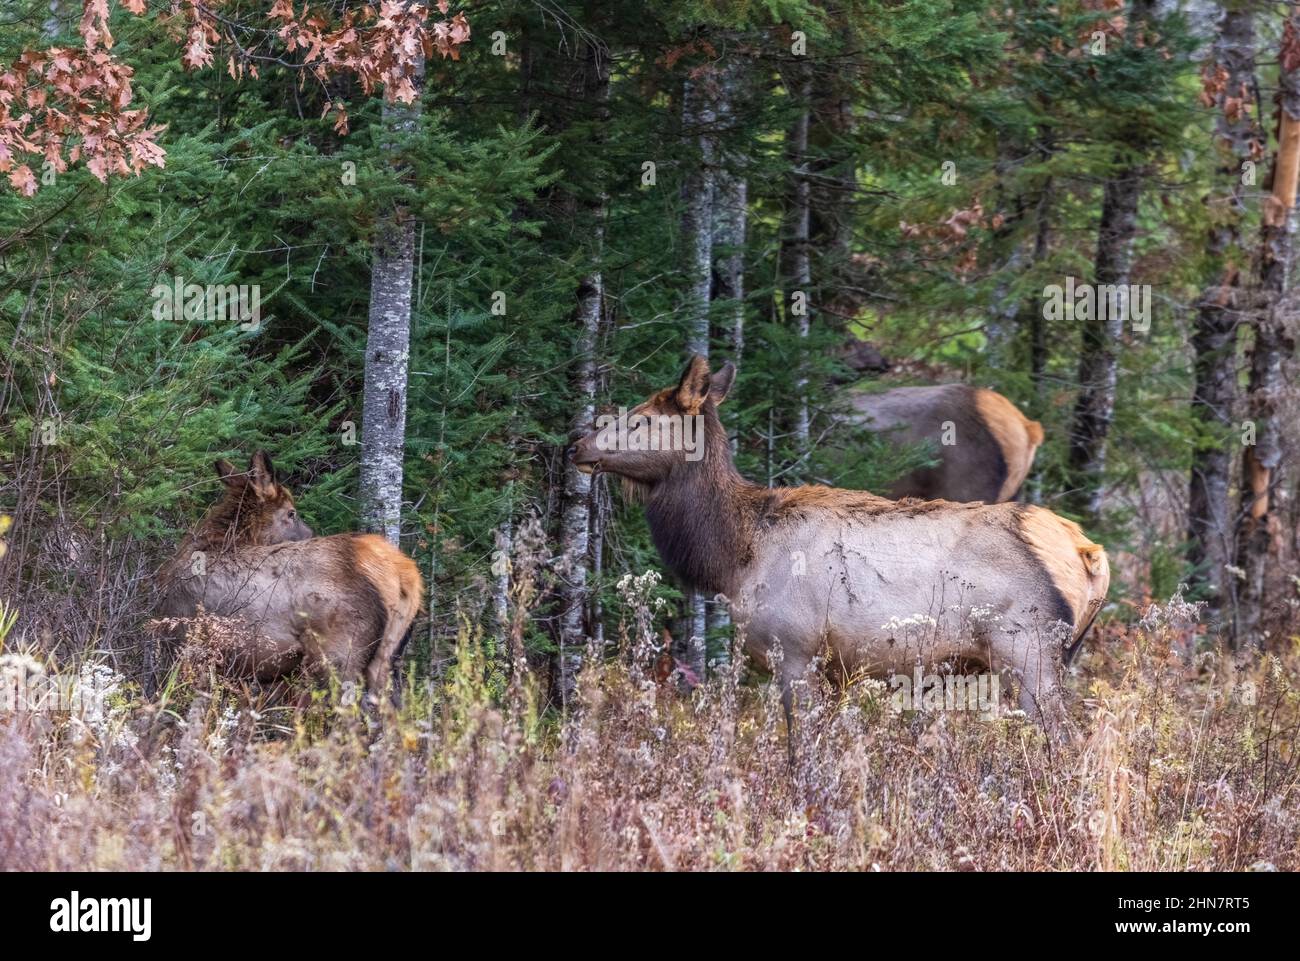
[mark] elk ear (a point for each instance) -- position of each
(694, 385)
(228, 474)
(720, 383)
(261, 474)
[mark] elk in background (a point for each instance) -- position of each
(984, 444)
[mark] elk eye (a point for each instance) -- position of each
(293, 515)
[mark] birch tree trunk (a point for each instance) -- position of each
(601, 508)
(388, 352)
(503, 540)
(730, 207)
(601, 504)
(699, 115)
(1214, 340)
(575, 525)
(699, 118)
(590, 90)
(1033, 309)
(730, 216)
(1259, 535)
(731, 199)
(796, 264)
(730, 220)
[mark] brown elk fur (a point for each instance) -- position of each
(341, 604)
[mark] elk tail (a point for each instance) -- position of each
(1035, 432)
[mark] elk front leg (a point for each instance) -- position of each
(796, 697)
(1037, 673)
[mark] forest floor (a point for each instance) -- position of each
(1180, 761)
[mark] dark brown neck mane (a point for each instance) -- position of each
(705, 518)
(702, 516)
(231, 523)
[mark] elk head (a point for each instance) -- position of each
(669, 430)
(255, 510)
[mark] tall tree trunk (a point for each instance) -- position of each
(503, 540)
(601, 504)
(1214, 340)
(601, 509)
(1099, 359)
(1034, 312)
(730, 207)
(388, 352)
(730, 214)
(699, 120)
(590, 89)
(1259, 535)
(795, 257)
(575, 526)
(699, 116)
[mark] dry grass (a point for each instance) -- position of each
(1181, 764)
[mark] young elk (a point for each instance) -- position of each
(343, 603)
(885, 584)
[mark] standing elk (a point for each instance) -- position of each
(985, 445)
(885, 584)
(342, 604)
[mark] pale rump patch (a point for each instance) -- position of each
(397, 579)
(1065, 552)
(1016, 435)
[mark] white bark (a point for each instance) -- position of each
(388, 356)
(503, 545)
(575, 525)
(590, 86)
(730, 218)
(795, 253)
(730, 208)
(699, 122)
(699, 117)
